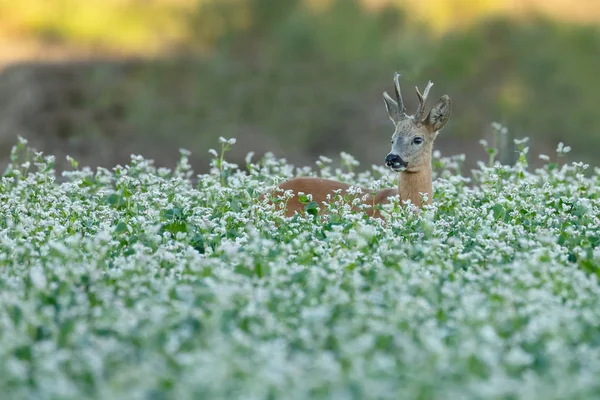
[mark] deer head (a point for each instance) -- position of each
(412, 141)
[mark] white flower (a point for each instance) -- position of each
(38, 279)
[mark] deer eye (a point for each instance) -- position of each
(418, 140)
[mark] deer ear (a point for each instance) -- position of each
(392, 108)
(439, 114)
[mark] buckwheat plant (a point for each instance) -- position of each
(141, 282)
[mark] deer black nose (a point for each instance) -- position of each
(392, 159)
(395, 161)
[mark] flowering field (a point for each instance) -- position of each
(147, 283)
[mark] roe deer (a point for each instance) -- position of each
(412, 146)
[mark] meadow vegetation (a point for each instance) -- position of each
(143, 282)
(140, 282)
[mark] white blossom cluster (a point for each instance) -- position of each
(147, 283)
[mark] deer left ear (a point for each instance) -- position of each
(439, 114)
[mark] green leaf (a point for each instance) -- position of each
(115, 200)
(312, 208)
(303, 199)
(198, 243)
(320, 234)
(172, 214)
(498, 211)
(121, 227)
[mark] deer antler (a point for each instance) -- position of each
(422, 101)
(401, 107)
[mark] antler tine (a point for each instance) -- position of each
(401, 107)
(422, 101)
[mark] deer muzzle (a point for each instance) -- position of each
(395, 162)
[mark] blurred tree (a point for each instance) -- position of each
(303, 80)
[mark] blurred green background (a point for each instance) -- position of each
(101, 79)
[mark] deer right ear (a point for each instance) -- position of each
(392, 108)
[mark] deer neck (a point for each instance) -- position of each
(412, 183)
